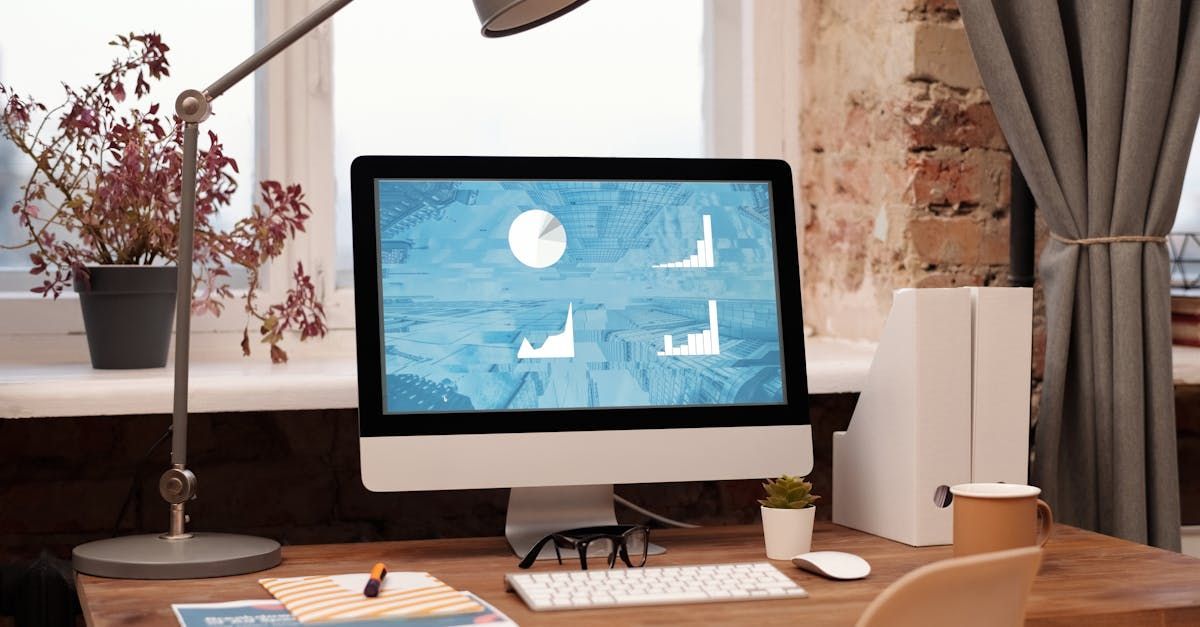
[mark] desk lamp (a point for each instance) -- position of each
(178, 553)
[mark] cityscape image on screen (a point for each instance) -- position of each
(527, 295)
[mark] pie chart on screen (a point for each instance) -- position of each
(537, 238)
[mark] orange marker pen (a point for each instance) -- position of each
(376, 580)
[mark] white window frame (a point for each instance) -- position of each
(751, 109)
(752, 91)
(294, 142)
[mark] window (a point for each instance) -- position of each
(204, 44)
(684, 78)
(1184, 243)
(597, 82)
(1188, 219)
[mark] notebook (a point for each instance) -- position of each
(340, 597)
(270, 612)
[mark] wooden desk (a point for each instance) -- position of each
(1086, 578)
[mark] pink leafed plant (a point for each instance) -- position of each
(105, 189)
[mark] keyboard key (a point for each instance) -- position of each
(661, 598)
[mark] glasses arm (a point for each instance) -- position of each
(532, 556)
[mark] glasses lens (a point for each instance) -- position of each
(600, 548)
(637, 543)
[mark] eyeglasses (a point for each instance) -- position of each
(630, 542)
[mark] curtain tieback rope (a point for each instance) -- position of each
(1111, 239)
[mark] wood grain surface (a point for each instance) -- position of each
(1085, 579)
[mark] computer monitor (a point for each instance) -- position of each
(559, 325)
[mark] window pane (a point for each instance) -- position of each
(613, 78)
(48, 42)
(1184, 249)
(1188, 219)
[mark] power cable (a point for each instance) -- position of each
(137, 475)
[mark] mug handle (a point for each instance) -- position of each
(1046, 517)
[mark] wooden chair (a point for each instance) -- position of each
(985, 590)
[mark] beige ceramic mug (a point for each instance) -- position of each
(998, 516)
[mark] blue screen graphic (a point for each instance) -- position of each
(519, 295)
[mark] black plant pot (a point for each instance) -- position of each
(127, 314)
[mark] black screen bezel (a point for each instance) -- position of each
(366, 170)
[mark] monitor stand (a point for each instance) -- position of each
(534, 513)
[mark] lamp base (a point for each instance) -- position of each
(155, 557)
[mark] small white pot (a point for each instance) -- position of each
(788, 532)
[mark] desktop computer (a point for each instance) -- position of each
(559, 325)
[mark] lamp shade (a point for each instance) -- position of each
(508, 17)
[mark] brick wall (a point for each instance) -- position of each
(292, 476)
(1187, 419)
(906, 175)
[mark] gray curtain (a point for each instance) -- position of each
(1099, 101)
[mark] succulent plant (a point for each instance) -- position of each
(788, 493)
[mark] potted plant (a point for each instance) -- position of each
(100, 213)
(788, 514)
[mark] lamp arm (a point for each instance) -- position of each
(277, 45)
(178, 485)
(183, 296)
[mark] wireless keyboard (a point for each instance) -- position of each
(666, 585)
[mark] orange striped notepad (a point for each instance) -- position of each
(340, 597)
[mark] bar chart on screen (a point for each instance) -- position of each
(707, 342)
(703, 258)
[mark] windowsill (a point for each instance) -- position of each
(320, 375)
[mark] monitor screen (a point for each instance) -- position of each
(499, 295)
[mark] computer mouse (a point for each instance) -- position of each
(833, 564)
